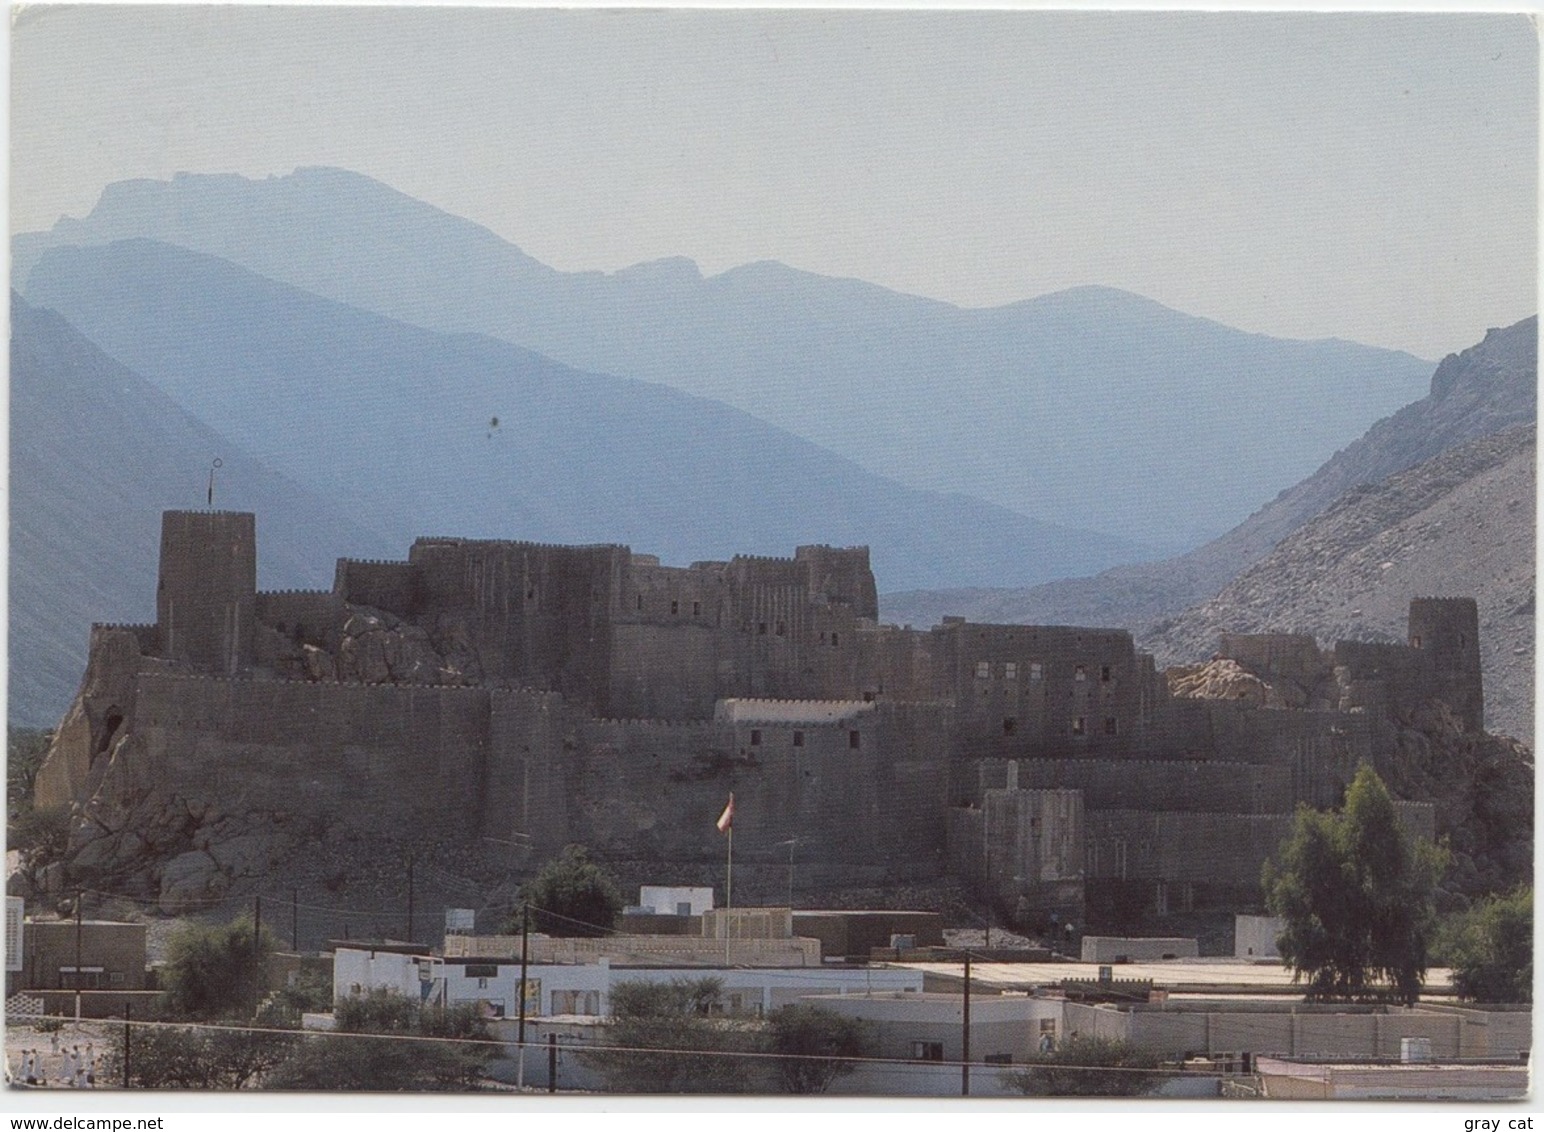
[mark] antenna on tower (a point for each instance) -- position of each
(218, 463)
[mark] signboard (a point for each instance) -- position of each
(460, 921)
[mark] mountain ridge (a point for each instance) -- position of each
(936, 396)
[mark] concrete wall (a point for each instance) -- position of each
(1298, 1030)
(49, 945)
(1254, 937)
(1107, 949)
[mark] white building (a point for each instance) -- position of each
(585, 989)
(662, 900)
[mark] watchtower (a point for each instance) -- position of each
(1446, 630)
(206, 596)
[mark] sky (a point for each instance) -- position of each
(1372, 177)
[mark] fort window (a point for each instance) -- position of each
(782, 628)
(1080, 673)
(110, 727)
(530, 593)
(640, 601)
(761, 629)
(1010, 725)
(1104, 673)
(1079, 725)
(834, 640)
(675, 608)
(1036, 670)
(854, 740)
(983, 669)
(1415, 642)
(755, 738)
(798, 738)
(1010, 671)
(868, 697)
(696, 609)
(1110, 726)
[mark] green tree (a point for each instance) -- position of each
(1491, 950)
(166, 1056)
(815, 1046)
(572, 896)
(215, 971)
(667, 1038)
(372, 1049)
(1087, 1067)
(1356, 896)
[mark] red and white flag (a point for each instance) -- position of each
(726, 819)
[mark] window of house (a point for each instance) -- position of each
(983, 669)
(798, 738)
(1036, 670)
(1080, 725)
(927, 1051)
(854, 740)
(1080, 673)
(999, 1059)
(481, 970)
(755, 738)
(1011, 670)
(1110, 726)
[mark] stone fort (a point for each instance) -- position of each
(493, 689)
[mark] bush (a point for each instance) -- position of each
(348, 1060)
(215, 971)
(666, 1040)
(1087, 1067)
(816, 1046)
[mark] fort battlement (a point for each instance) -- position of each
(598, 697)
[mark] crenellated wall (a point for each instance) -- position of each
(541, 695)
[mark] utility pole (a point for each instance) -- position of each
(525, 945)
(128, 1008)
(80, 977)
(965, 1041)
(410, 899)
(257, 953)
(295, 920)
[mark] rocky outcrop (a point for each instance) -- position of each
(1462, 522)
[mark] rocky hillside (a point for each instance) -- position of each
(1460, 523)
(1487, 388)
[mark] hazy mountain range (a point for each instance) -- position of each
(1091, 408)
(1435, 500)
(371, 369)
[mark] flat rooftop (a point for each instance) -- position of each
(1224, 975)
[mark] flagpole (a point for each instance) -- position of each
(729, 895)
